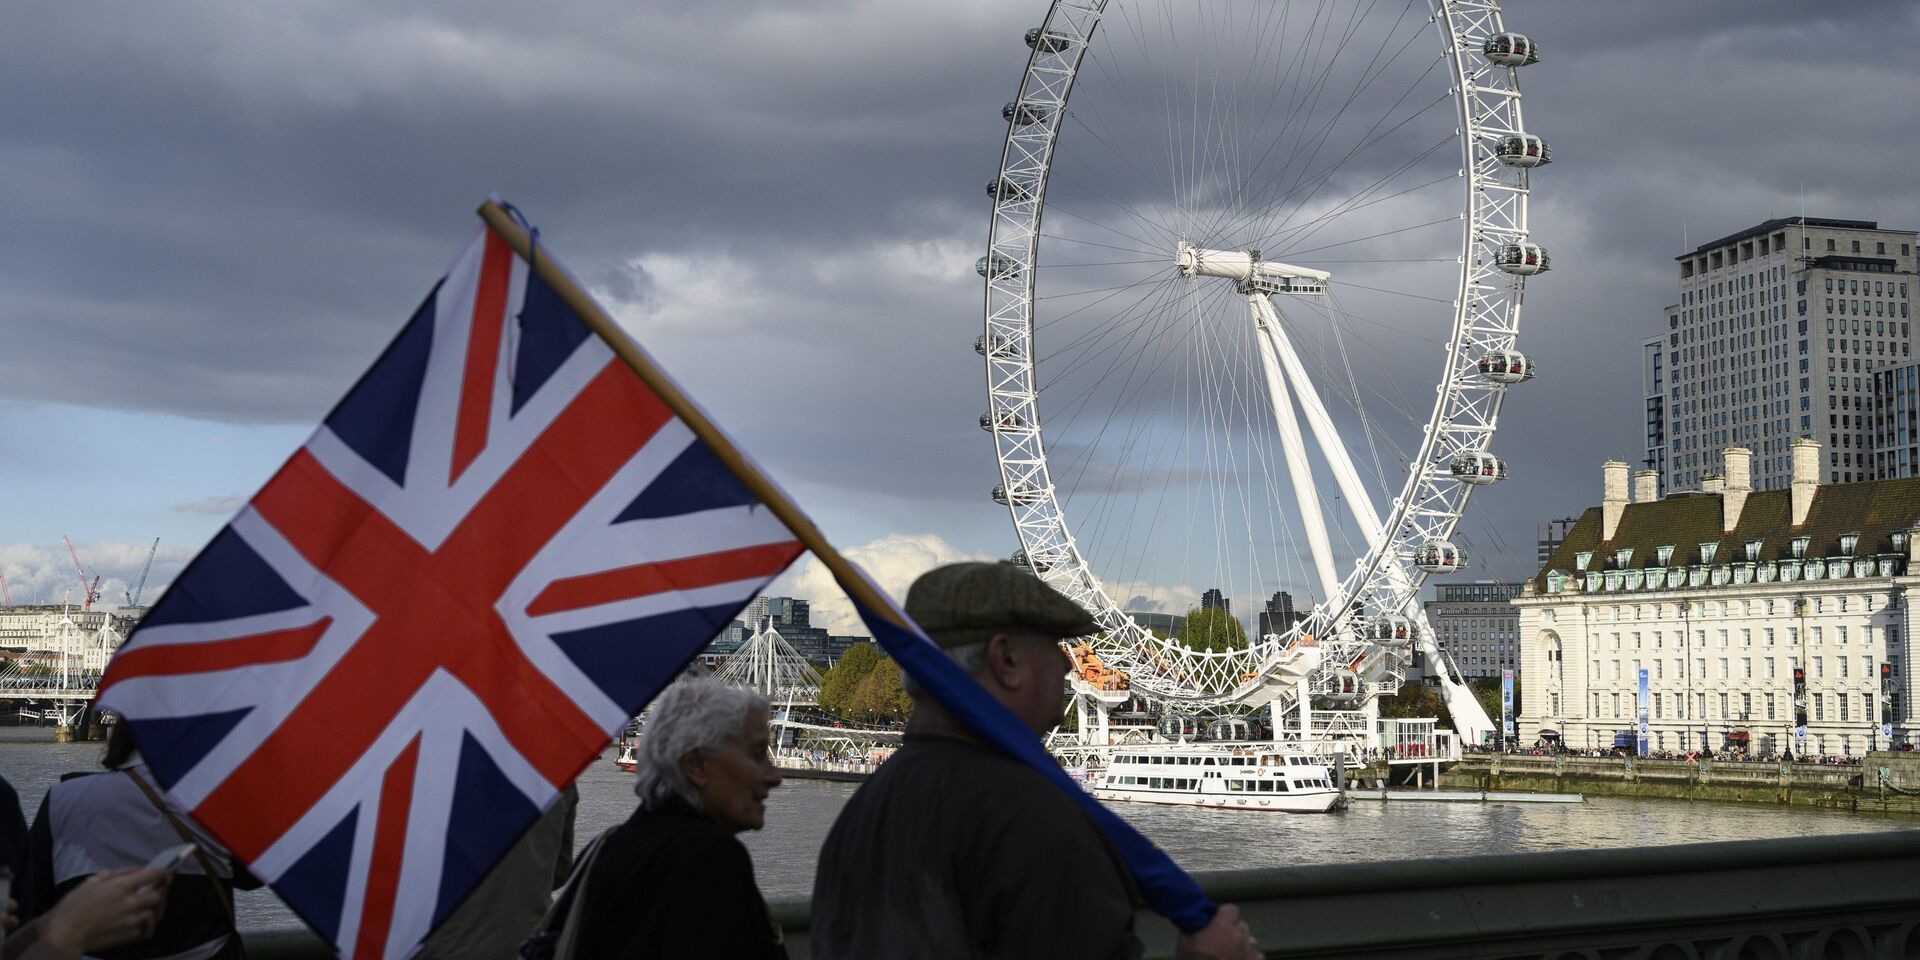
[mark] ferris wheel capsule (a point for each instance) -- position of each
(1506, 366)
(1345, 686)
(1045, 42)
(1022, 114)
(1005, 421)
(1035, 564)
(1523, 150)
(1391, 630)
(1439, 556)
(1000, 188)
(1478, 469)
(995, 267)
(999, 346)
(1018, 493)
(1523, 259)
(1511, 50)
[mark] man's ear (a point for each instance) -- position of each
(1003, 660)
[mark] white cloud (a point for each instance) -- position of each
(893, 561)
(45, 574)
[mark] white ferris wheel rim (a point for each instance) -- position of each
(1464, 417)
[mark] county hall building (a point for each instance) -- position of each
(1766, 620)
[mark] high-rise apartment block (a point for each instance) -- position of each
(1477, 625)
(1279, 615)
(1778, 333)
(1213, 599)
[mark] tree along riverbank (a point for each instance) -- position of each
(1883, 782)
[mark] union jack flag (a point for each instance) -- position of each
(495, 550)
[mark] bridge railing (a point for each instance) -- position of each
(1831, 896)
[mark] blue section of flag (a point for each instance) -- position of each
(237, 584)
(696, 481)
(365, 419)
(549, 333)
(316, 884)
(489, 814)
(634, 659)
(1167, 888)
(172, 745)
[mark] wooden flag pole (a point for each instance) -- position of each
(549, 270)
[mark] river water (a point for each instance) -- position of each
(801, 811)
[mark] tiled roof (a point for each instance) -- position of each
(1874, 509)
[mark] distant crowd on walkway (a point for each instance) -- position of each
(999, 862)
(1723, 756)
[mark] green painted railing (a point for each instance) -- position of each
(1852, 896)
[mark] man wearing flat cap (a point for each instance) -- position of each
(955, 850)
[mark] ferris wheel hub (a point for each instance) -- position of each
(1245, 267)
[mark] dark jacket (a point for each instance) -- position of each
(671, 883)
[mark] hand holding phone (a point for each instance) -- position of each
(172, 858)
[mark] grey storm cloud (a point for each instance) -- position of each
(223, 210)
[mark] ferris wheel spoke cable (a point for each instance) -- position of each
(1305, 108)
(1294, 186)
(1300, 232)
(1265, 206)
(1325, 133)
(1262, 204)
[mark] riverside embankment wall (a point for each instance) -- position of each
(1883, 781)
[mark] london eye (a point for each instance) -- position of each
(1231, 246)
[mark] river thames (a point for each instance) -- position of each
(801, 811)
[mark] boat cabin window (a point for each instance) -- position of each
(1208, 761)
(1236, 785)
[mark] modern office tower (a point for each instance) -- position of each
(1279, 616)
(1549, 536)
(1653, 375)
(1477, 626)
(1896, 421)
(792, 618)
(1778, 334)
(1765, 620)
(1214, 600)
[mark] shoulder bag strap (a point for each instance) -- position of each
(572, 896)
(186, 836)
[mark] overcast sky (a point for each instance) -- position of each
(217, 213)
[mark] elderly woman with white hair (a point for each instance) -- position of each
(674, 881)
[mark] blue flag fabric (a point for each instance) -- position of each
(1167, 888)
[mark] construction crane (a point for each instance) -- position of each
(133, 595)
(88, 589)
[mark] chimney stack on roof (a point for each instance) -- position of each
(1806, 476)
(1739, 464)
(1646, 486)
(1711, 482)
(1613, 497)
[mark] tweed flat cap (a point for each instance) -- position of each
(965, 603)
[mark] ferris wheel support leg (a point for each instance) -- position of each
(1324, 433)
(1293, 446)
(1470, 719)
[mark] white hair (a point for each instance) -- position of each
(971, 658)
(693, 715)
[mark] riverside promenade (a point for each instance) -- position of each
(1883, 781)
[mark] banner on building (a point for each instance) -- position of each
(1642, 714)
(1506, 702)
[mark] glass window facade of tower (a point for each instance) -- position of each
(1774, 337)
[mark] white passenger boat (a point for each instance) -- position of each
(1252, 778)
